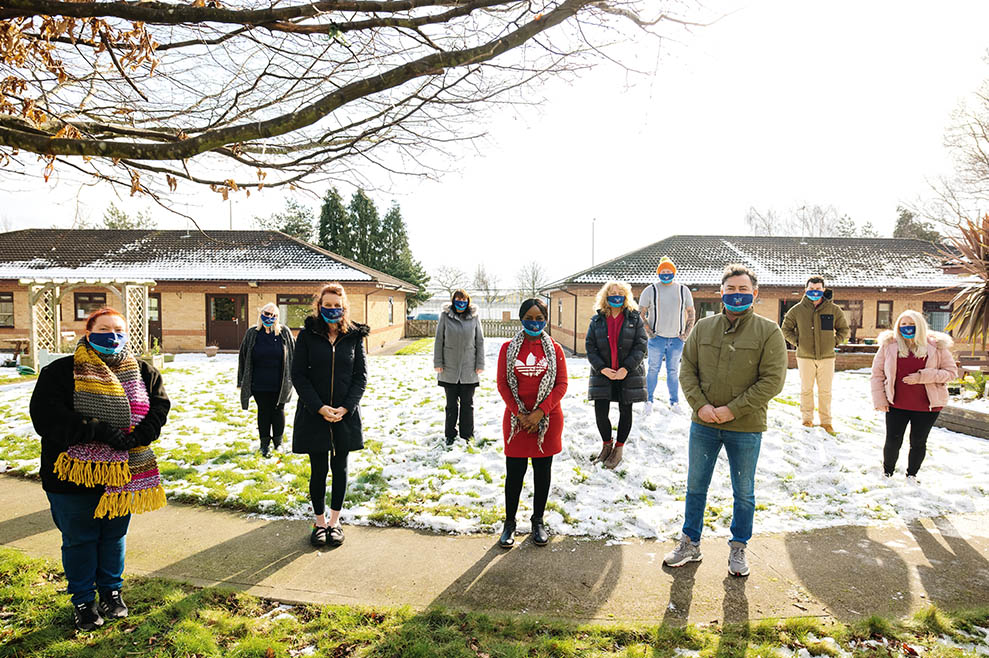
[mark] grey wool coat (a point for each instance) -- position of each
(245, 368)
(459, 347)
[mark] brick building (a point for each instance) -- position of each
(874, 279)
(208, 288)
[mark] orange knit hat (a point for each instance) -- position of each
(666, 265)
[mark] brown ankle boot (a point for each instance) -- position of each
(606, 449)
(615, 458)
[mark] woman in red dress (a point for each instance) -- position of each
(532, 379)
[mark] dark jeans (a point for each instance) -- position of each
(320, 465)
(515, 468)
(461, 395)
(921, 423)
(742, 449)
(601, 410)
(92, 549)
(271, 415)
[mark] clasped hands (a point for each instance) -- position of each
(615, 375)
(530, 422)
(332, 414)
(711, 414)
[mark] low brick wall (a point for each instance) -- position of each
(843, 360)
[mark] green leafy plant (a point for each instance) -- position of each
(976, 382)
(970, 307)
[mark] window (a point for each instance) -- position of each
(937, 315)
(707, 307)
(293, 310)
(853, 312)
(154, 308)
(6, 309)
(559, 312)
(87, 302)
(391, 310)
(884, 315)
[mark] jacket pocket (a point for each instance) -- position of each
(827, 322)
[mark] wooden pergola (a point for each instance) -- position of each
(45, 299)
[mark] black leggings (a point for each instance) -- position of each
(601, 409)
(462, 396)
(515, 468)
(921, 423)
(320, 464)
(271, 415)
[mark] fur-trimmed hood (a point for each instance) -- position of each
(466, 315)
(317, 326)
(941, 340)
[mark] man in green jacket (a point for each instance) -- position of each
(816, 325)
(733, 365)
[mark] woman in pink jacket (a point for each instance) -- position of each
(910, 376)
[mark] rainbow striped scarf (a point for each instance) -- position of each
(112, 391)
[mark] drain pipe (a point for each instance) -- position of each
(574, 318)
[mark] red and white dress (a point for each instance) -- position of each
(530, 367)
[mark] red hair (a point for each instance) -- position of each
(100, 312)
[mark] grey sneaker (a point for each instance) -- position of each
(685, 551)
(737, 564)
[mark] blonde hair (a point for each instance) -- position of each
(601, 302)
(919, 343)
(317, 302)
(271, 306)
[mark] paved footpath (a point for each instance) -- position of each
(841, 572)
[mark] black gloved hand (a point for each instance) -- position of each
(117, 440)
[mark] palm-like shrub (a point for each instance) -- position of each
(970, 307)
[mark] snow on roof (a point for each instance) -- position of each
(175, 256)
(782, 261)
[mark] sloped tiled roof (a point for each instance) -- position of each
(176, 256)
(781, 261)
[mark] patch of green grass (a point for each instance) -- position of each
(556, 507)
(421, 346)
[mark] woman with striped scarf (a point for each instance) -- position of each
(532, 379)
(97, 411)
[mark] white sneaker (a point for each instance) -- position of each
(647, 409)
(676, 408)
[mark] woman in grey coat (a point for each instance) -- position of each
(264, 372)
(458, 356)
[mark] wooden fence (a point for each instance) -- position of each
(492, 328)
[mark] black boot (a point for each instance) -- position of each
(507, 539)
(539, 535)
(277, 442)
(265, 446)
(87, 616)
(450, 440)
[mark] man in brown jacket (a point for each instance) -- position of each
(816, 325)
(733, 365)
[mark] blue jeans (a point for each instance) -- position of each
(92, 549)
(743, 453)
(670, 349)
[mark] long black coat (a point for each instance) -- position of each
(328, 374)
(631, 356)
(60, 425)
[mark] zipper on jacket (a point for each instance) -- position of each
(333, 368)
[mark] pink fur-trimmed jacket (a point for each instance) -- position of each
(938, 371)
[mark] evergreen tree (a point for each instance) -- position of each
(365, 229)
(296, 220)
(393, 242)
(115, 218)
(334, 229)
(908, 226)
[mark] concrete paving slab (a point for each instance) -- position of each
(843, 572)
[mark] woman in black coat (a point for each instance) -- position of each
(329, 373)
(263, 372)
(616, 348)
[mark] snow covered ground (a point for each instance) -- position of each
(806, 479)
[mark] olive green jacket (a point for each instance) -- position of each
(815, 330)
(741, 366)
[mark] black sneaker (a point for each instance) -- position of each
(318, 536)
(450, 440)
(335, 536)
(112, 606)
(87, 616)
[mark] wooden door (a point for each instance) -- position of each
(154, 319)
(226, 320)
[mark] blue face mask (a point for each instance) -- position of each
(460, 304)
(908, 332)
(814, 295)
(268, 320)
(616, 301)
(737, 302)
(667, 277)
(108, 342)
(533, 327)
(331, 315)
